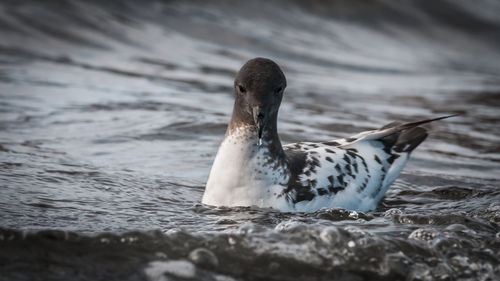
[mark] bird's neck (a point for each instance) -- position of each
(247, 132)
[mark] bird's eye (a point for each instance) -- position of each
(242, 89)
(278, 90)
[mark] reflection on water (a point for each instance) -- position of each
(111, 114)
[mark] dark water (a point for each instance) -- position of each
(111, 113)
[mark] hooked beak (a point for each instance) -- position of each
(260, 119)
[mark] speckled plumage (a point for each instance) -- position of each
(343, 173)
(253, 168)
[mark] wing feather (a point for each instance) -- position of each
(384, 131)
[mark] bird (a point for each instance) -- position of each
(253, 168)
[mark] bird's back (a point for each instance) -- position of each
(351, 173)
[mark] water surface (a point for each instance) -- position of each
(111, 114)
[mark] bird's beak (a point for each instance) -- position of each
(260, 119)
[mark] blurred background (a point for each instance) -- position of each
(111, 112)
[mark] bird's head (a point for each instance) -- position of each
(259, 87)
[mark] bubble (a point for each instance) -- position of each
(423, 234)
(178, 268)
(173, 231)
(246, 228)
(330, 235)
(354, 215)
(104, 240)
(204, 258)
(291, 226)
(393, 212)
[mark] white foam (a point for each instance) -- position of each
(156, 270)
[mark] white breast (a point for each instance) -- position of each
(243, 174)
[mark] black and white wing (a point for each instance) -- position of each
(351, 173)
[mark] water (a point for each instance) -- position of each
(111, 114)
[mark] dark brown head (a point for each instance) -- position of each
(258, 87)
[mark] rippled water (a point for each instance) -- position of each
(111, 114)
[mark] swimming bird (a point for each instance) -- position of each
(252, 168)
